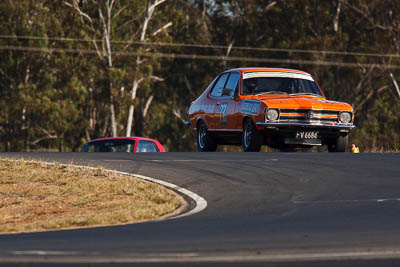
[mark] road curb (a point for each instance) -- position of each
(201, 203)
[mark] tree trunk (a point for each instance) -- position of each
(112, 111)
(396, 85)
(131, 106)
(149, 12)
(336, 17)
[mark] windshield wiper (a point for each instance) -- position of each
(271, 92)
(306, 93)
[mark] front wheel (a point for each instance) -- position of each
(251, 138)
(339, 144)
(204, 141)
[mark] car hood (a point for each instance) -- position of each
(296, 102)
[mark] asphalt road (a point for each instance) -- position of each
(264, 209)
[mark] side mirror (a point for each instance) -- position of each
(226, 92)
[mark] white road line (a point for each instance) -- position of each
(114, 160)
(378, 200)
(43, 252)
(195, 257)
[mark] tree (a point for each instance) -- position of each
(113, 20)
(150, 8)
(102, 28)
(117, 67)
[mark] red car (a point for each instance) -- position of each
(123, 144)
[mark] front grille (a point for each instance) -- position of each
(308, 115)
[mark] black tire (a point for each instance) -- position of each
(251, 137)
(205, 142)
(339, 144)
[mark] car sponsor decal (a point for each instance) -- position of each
(210, 109)
(203, 108)
(277, 74)
(222, 113)
(250, 107)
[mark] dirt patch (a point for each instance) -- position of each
(36, 196)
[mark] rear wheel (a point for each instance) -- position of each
(251, 138)
(339, 144)
(204, 141)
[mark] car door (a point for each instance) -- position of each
(228, 102)
(225, 106)
(214, 98)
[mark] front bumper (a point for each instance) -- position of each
(267, 124)
(286, 132)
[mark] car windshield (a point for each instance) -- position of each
(117, 145)
(279, 85)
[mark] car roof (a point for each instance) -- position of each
(122, 138)
(253, 69)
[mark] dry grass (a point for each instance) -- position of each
(36, 196)
(381, 150)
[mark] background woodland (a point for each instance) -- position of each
(75, 70)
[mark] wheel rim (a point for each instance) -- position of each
(247, 135)
(202, 136)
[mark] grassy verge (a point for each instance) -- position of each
(382, 150)
(35, 196)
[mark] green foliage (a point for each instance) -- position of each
(59, 97)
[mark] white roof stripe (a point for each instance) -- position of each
(255, 74)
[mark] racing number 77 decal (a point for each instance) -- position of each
(222, 113)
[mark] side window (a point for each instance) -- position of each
(231, 84)
(146, 146)
(219, 85)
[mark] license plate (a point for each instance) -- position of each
(307, 135)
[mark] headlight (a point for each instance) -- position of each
(272, 115)
(345, 117)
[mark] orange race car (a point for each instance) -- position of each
(281, 108)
